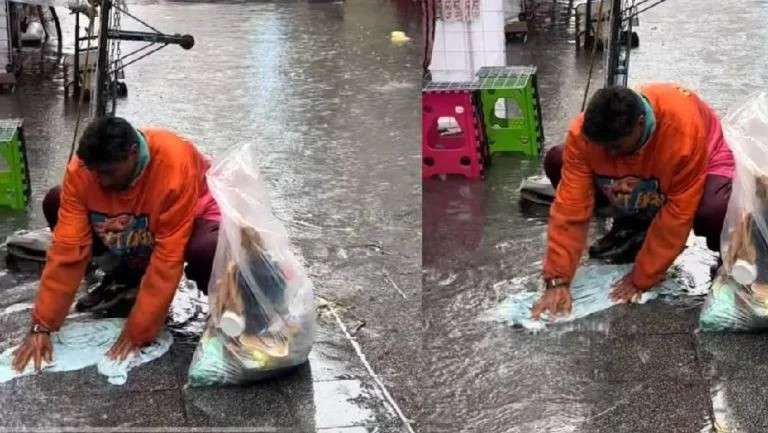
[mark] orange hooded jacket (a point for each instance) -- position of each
(151, 221)
(667, 174)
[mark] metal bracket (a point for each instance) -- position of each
(105, 69)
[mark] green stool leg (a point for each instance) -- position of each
(14, 175)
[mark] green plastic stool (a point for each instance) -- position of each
(15, 187)
(515, 88)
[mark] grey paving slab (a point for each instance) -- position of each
(262, 405)
(586, 407)
(655, 317)
(540, 406)
(345, 403)
(14, 326)
(348, 403)
(29, 409)
(739, 405)
(651, 406)
(293, 401)
(733, 356)
(181, 353)
(646, 357)
(501, 378)
(413, 396)
(332, 356)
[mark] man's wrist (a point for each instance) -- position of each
(555, 283)
(39, 329)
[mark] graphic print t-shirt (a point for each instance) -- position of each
(126, 237)
(632, 195)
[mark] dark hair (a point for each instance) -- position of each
(106, 140)
(612, 114)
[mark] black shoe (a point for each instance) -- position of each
(93, 275)
(109, 299)
(120, 306)
(622, 243)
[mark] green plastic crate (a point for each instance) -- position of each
(522, 132)
(14, 176)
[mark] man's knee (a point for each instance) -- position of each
(51, 204)
(553, 164)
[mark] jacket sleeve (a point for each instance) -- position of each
(570, 212)
(68, 257)
(166, 264)
(670, 228)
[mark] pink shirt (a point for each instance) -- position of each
(207, 208)
(721, 160)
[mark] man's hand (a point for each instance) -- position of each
(122, 348)
(624, 291)
(35, 346)
(554, 301)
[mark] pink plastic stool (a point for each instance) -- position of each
(458, 149)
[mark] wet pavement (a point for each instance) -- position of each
(627, 369)
(334, 106)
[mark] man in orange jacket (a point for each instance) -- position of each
(658, 158)
(141, 196)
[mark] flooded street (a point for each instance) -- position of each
(627, 369)
(405, 343)
(334, 108)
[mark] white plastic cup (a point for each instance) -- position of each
(743, 272)
(232, 324)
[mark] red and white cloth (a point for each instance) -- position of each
(458, 10)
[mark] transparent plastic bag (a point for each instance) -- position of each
(731, 306)
(261, 300)
(739, 297)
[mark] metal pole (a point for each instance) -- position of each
(627, 53)
(614, 43)
(77, 54)
(57, 24)
(102, 75)
(13, 38)
(185, 41)
(588, 26)
(9, 43)
(113, 92)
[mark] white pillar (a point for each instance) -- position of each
(461, 48)
(5, 36)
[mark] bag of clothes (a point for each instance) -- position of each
(261, 301)
(738, 299)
